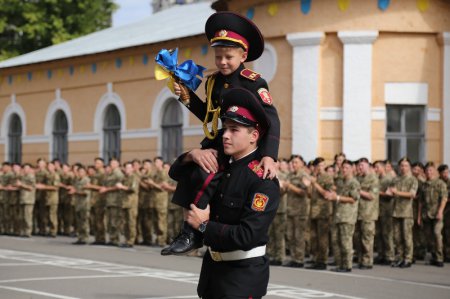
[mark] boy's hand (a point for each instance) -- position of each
(206, 159)
(177, 88)
(269, 166)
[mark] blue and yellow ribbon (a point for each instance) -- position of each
(167, 67)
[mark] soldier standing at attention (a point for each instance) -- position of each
(368, 206)
(174, 212)
(82, 199)
(444, 176)
(346, 213)
(8, 176)
(113, 201)
(404, 191)
(160, 200)
(40, 204)
(278, 229)
(385, 231)
(67, 213)
(130, 192)
(98, 201)
(419, 239)
(51, 186)
(431, 213)
(26, 184)
(320, 214)
(145, 205)
(298, 210)
(2, 200)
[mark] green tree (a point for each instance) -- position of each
(28, 25)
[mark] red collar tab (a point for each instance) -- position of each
(249, 74)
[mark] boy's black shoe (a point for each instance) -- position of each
(189, 239)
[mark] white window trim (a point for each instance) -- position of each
(273, 54)
(13, 108)
(107, 99)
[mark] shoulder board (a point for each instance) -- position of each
(255, 168)
(249, 74)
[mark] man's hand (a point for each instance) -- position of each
(269, 166)
(196, 216)
(206, 159)
(439, 215)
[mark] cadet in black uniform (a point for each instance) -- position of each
(236, 223)
(235, 39)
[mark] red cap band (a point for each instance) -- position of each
(242, 112)
(230, 36)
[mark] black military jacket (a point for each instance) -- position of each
(270, 143)
(242, 210)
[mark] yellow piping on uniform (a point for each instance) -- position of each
(211, 110)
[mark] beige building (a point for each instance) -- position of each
(360, 78)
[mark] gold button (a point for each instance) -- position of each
(226, 85)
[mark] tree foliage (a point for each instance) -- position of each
(28, 25)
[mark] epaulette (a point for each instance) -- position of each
(259, 171)
(249, 74)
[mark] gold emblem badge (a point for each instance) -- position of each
(223, 33)
(259, 202)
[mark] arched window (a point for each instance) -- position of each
(15, 139)
(60, 129)
(172, 123)
(111, 133)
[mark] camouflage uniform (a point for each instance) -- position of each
(298, 209)
(174, 216)
(435, 192)
(27, 200)
(51, 203)
(320, 220)
(160, 202)
(2, 204)
(403, 218)
(345, 218)
(385, 230)
(39, 205)
(114, 206)
(419, 240)
(14, 207)
(67, 212)
(146, 212)
(98, 202)
(367, 215)
(10, 196)
(130, 208)
(82, 208)
(338, 183)
(278, 229)
(447, 225)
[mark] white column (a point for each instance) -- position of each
(446, 97)
(357, 120)
(305, 92)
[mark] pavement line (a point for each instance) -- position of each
(172, 297)
(425, 284)
(18, 264)
(63, 278)
(37, 292)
